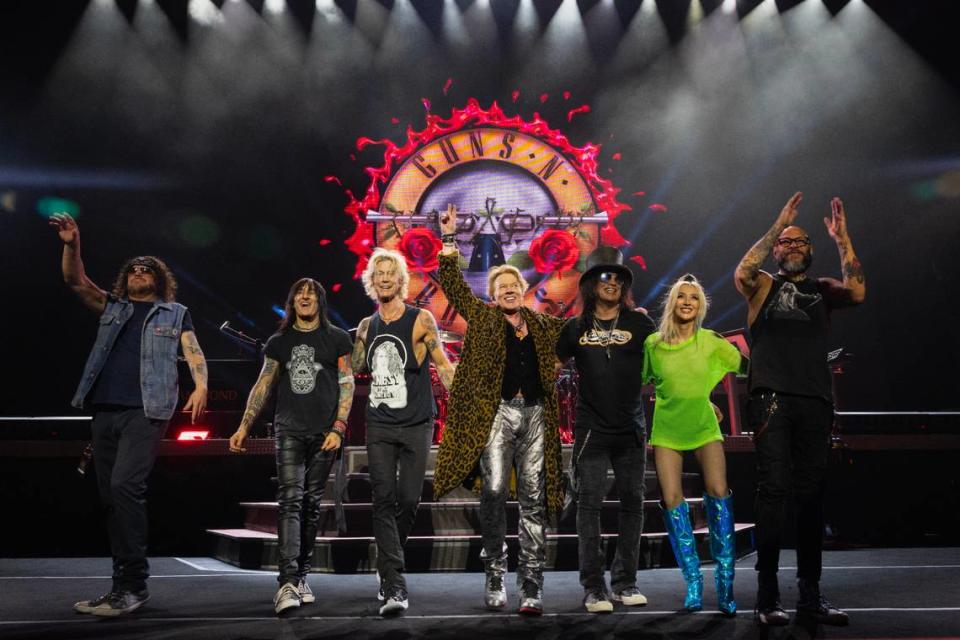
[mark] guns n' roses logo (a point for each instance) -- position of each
(525, 196)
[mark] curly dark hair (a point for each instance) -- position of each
(588, 300)
(289, 314)
(166, 282)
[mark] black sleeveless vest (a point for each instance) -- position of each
(401, 393)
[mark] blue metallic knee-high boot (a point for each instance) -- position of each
(680, 532)
(723, 548)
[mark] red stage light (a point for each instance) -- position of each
(192, 435)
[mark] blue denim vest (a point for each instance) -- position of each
(158, 354)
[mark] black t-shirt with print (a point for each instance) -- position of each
(308, 390)
(608, 398)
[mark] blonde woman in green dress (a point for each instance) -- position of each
(685, 362)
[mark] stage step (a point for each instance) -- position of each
(358, 487)
(445, 535)
(451, 518)
(257, 550)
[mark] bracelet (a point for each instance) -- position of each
(449, 238)
(340, 427)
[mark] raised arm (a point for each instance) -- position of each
(358, 358)
(197, 402)
(451, 278)
(748, 278)
(257, 398)
(853, 289)
(92, 296)
(427, 325)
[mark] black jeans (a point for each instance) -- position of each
(397, 458)
(125, 446)
(302, 471)
(792, 439)
(627, 455)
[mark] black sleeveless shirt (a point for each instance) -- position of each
(401, 393)
(789, 351)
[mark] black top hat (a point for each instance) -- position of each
(605, 258)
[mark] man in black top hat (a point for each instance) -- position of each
(606, 341)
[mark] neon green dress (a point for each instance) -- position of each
(684, 375)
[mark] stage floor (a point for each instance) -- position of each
(889, 593)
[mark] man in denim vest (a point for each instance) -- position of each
(130, 383)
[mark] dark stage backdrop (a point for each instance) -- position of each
(202, 132)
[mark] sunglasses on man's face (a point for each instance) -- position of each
(140, 268)
(610, 277)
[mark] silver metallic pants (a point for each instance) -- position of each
(516, 438)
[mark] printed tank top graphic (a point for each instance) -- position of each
(303, 369)
(791, 304)
(387, 361)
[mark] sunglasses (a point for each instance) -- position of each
(610, 277)
(140, 268)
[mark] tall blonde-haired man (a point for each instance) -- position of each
(397, 344)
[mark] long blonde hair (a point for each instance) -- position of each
(400, 264)
(668, 322)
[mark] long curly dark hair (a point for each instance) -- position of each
(289, 314)
(588, 300)
(166, 282)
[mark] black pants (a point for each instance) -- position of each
(125, 446)
(627, 455)
(792, 438)
(397, 457)
(302, 471)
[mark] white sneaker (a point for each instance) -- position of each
(306, 593)
(87, 606)
(596, 601)
(118, 603)
(287, 597)
(630, 596)
(396, 601)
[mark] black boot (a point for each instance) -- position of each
(814, 606)
(768, 610)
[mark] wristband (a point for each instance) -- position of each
(449, 238)
(340, 427)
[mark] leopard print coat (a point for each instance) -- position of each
(475, 394)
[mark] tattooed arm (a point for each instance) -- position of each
(345, 377)
(426, 332)
(92, 296)
(197, 402)
(258, 397)
(358, 358)
(853, 289)
(748, 278)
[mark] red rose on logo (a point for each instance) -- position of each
(554, 250)
(420, 247)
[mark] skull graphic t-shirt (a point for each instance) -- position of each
(308, 389)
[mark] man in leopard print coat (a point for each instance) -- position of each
(502, 413)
